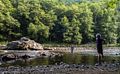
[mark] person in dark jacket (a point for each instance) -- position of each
(99, 42)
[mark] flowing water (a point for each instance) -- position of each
(69, 58)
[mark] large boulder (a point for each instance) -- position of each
(24, 43)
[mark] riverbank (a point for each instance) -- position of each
(62, 47)
(62, 68)
(111, 67)
(82, 50)
(87, 50)
(88, 45)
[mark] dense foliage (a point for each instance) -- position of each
(63, 21)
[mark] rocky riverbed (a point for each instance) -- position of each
(63, 68)
(73, 63)
(111, 67)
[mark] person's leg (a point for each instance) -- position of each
(102, 55)
(100, 58)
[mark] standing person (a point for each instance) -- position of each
(99, 41)
(72, 49)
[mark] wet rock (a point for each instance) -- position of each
(96, 64)
(24, 43)
(8, 57)
(48, 49)
(58, 69)
(43, 54)
(2, 47)
(25, 56)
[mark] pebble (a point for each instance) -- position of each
(62, 67)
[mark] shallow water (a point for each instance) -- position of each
(69, 58)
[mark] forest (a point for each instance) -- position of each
(60, 21)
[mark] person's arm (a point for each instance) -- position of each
(103, 41)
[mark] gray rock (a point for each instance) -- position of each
(24, 43)
(2, 47)
(8, 57)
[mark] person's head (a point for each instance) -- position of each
(98, 35)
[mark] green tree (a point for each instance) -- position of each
(118, 20)
(9, 27)
(21, 13)
(86, 21)
(72, 34)
(32, 31)
(60, 21)
(39, 32)
(104, 21)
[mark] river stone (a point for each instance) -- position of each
(8, 57)
(23, 44)
(2, 47)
